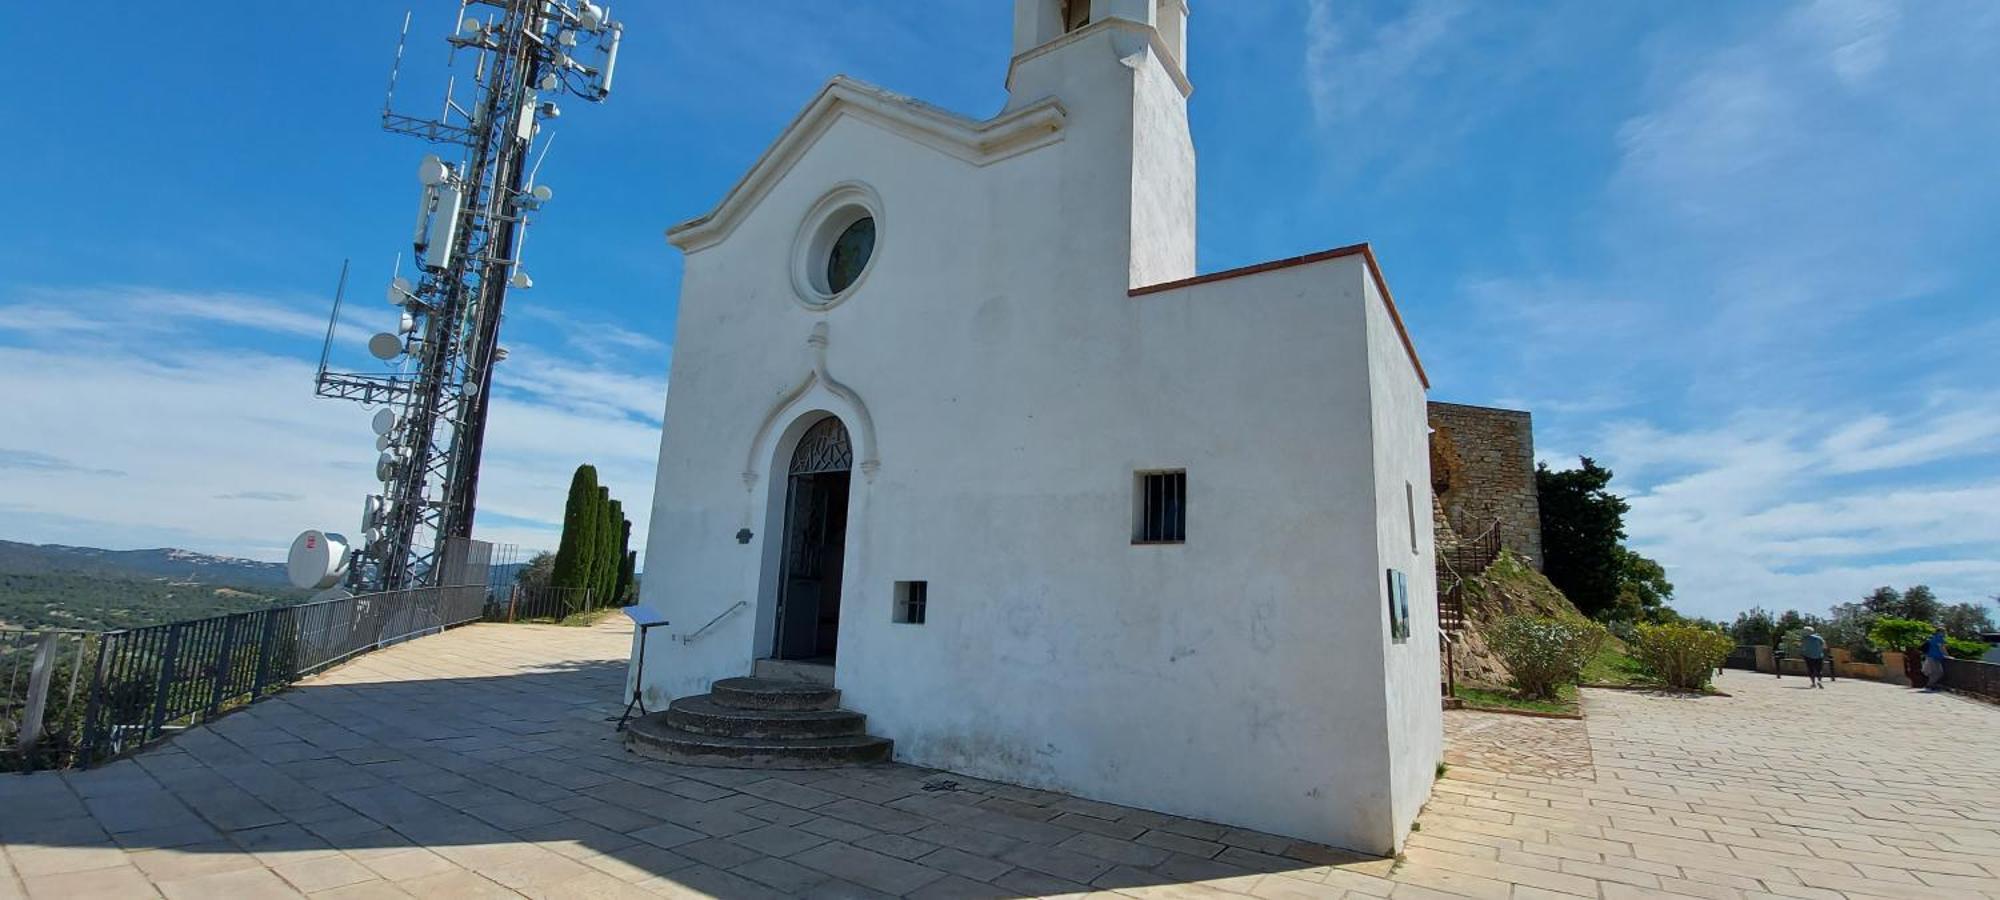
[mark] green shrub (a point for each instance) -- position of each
(1544, 654)
(1891, 635)
(1960, 648)
(1682, 656)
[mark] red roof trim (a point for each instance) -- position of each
(1362, 250)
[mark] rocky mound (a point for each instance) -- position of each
(1509, 587)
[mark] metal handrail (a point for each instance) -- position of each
(689, 638)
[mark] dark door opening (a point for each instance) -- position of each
(815, 544)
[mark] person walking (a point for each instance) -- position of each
(1813, 648)
(1934, 660)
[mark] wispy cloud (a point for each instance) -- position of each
(268, 496)
(42, 462)
(196, 417)
(127, 309)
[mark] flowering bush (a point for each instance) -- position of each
(1682, 656)
(1546, 653)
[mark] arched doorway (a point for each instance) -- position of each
(808, 626)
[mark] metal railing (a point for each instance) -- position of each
(1972, 676)
(147, 682)
(43, 682)
(526, 603)
(1465, 559)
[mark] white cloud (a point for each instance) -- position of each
(1781, 278)
(115, 437)
(1767, 509)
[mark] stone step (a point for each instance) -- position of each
(702, 715)
(654, 736)
(765, 693)
(820, 673)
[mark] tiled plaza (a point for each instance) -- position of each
(482, 763)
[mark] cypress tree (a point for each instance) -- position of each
(601, 567)
(575, 553)
(625, 565)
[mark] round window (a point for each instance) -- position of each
(836, 245)
(850, 254)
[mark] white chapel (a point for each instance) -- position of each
(964, 465)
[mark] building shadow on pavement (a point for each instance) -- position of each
(423, 783)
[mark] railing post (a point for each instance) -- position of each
(222, 667)
(163, 687)
(264, 654)
(38, 693)
(93, 703)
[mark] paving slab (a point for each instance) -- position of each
(480, 763)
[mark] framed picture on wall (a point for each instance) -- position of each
(1399, 607)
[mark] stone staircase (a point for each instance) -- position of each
(759, 723)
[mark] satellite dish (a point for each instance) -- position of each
(385, 346)
(543, 193)
(470, 27)
(433, 171)
(591, 16)
(550, 82)
(385, 467)
(381, 442)
(566, 38)
(499, 352)
(521, 279)
(401, 291)
(407, 324)
(472, 389)
(318, 560)
(384, 421)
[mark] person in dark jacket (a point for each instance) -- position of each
(1934, 660)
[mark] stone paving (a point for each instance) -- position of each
(1517, 745)
(482, 763)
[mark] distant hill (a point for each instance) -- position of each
(96, 602)
(163, 563)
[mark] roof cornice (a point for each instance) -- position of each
(974, 141)
(1362, 250)
(1113, 23)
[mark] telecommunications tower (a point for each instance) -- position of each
(478, 191)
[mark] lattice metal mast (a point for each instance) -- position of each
(467, 244)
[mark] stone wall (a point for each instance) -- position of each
(1483, 470)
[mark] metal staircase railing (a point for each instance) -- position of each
(1467, 559)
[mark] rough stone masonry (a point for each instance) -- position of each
(1483, 471)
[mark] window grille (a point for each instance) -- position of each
(911, 598)
(1162, 508)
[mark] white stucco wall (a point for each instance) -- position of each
(1400, 428)
(1015, 388)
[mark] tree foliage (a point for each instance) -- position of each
(1643, 590)
(538, 573)
(1895, 635)
(1966, 620)
(575, 560)
(1755, 627)
(594, 559)
(1582, 525)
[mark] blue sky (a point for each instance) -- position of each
(1742, 253)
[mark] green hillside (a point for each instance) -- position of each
(94, 602)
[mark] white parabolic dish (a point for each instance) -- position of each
(317, 560)
(384, 421)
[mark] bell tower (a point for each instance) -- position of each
(1119, 67)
